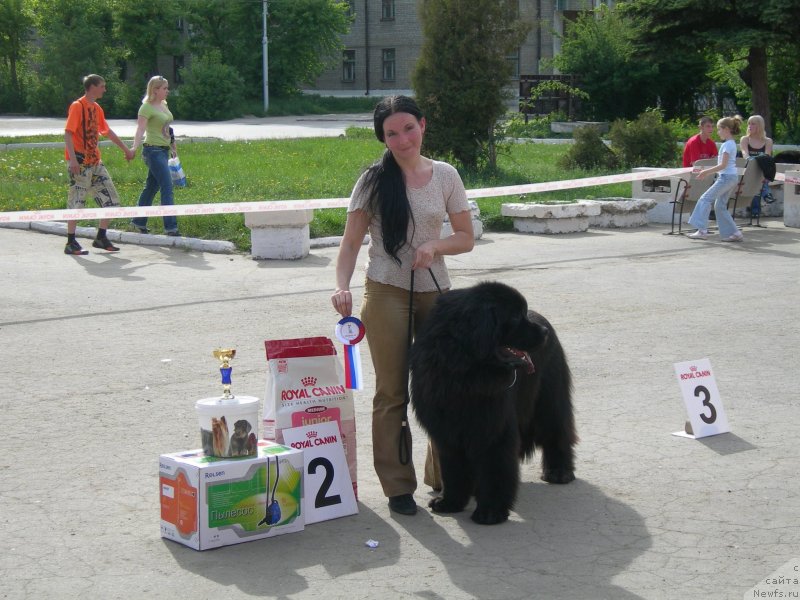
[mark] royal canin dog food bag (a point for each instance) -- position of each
(305, 385)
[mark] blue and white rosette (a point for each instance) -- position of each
(350, 331)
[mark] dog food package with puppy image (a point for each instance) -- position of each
(208, 502)
(305, 386)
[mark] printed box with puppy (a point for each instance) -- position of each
(208, 502)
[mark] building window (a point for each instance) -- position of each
(349, 65)
(351, 8)
(387, 10)
(388, 64)
(513, 60)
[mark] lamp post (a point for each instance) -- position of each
(265, 65)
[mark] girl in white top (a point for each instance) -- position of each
(401, 201)
(719, 192)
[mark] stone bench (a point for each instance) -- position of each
(791, 199)
(279, 234)
(550, 218)
(618, 213)
(578, 216)
(285, 234)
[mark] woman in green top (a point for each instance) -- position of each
(153, 128)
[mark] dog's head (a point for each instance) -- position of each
(493, 324)
(242, 427)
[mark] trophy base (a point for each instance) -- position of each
(228, 426)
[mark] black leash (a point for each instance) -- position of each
(405, 431)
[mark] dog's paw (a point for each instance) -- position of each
(489, 516)
(442, 505)
(558, 476)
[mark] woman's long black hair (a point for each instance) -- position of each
(384, 180)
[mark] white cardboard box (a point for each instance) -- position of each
(208, 502)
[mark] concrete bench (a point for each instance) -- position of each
(663, 189)
(579, 216)
(791, 199)
(279, 234)
(618, 213)
(285, 234)
(550, 218)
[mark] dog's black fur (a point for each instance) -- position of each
(472, 392)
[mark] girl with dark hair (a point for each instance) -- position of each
(401, 201)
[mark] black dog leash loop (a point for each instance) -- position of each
(405, 430)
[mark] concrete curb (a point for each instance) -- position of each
(127, 237)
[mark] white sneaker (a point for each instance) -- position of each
(698, 235)
(736, 237)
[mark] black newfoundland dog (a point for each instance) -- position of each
(489, 383)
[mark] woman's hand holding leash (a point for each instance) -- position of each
(423, 257)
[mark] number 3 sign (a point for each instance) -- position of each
(701, 397)
(327, 488)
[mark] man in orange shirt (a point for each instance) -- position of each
(86, 122)
(700, 145)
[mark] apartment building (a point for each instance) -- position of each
(386, 37)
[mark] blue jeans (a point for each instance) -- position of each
(158, 178)
(718, 193)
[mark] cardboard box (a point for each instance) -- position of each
(208, 502)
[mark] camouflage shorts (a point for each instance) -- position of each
(94, 180)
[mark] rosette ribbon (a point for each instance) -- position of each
(350, 331)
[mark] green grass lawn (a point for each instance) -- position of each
(36, 179)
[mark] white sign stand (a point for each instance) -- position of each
(327, 488)
(702, 400)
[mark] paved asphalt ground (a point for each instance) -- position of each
(105, 355)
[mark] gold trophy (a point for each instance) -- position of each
(225, 356)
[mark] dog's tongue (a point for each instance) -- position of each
(524, 357)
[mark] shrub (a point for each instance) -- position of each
(538, 126)
(588, 151)
(212, 91)
(647, 141)
(126, 100)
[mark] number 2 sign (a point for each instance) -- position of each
(701, 397)
(327, 488)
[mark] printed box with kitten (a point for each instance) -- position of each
(208, 502)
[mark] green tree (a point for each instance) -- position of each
(211, 90)
(75, 40)
(303, 36)
(16, 21)
(784, 90)
(144, 30)
(304, 40)
(462, 72)
(601, 49)
(727, 27)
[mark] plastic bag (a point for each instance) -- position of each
(176, 170)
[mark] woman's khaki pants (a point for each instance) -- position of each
(385, 316)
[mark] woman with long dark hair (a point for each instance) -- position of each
(401, 201)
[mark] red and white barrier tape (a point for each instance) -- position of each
(127, 212)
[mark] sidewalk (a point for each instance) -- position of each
(106, 354)
(245, 128)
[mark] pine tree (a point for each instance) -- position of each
(461, 77)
